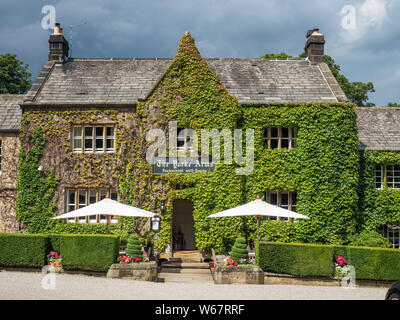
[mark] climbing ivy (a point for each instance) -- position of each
(378, 206)
(35, 189)
(323, 169)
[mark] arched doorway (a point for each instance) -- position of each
(183, 237)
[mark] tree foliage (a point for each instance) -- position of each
(14, 77)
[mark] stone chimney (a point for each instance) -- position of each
(58, 45)
(314, 48)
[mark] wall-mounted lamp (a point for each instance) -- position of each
(156, 223)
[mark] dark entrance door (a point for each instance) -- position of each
(183, 225)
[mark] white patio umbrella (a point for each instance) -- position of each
(258, 208)
(108, 208)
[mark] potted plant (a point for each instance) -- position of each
(54, 259)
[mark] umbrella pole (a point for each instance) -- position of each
(108, 224)
(258, 227)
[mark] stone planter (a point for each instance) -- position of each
(134, 271)
(239, 274)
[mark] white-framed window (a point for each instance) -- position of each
(378, 177)
(283, 199)
(280, 138)
(81, 197)
(98, 139)
(1, 154)
(183, 140)
(388, 173)
(392, 234)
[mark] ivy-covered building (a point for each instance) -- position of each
(10, 118)
(83, 135)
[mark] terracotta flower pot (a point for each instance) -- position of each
(55, 263)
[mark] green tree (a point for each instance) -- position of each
(393, 105)
(356, 92)
(14, 77)
(279, 56)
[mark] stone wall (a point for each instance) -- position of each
(80, 170)
(8, 179)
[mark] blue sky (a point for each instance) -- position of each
(367, 48)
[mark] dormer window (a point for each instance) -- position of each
(280, 138)
(97, 139)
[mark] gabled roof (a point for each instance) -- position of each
(10, 112)
(378, 128)
(126, 81)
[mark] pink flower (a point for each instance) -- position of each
(53, 253)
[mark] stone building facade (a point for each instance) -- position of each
(10, 117)
(94, 115)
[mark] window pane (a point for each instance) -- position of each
(180, 143)
(266, 137)
(284, 200)
(88, 139)
(77, 139)
(99, 144)
(110, 131)
(274, 143)
(285, 144)
(274, 133)
(378, 177)
(273, 198)
(88, 132)
(103, 193)
(114, 195)
(285, 133)
(92, 199)
(110, 139)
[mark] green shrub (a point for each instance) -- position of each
(372, 263)
(239, 250)
(134, 247)
(296, 259)
(23, 250)
(369, 238)
(87, 252)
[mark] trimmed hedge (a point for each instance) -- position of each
(318, 260)
(296, 259)
(372, 263)
(79, 252)
(87, 252)
(23, 250)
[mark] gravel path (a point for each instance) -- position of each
(28, 285)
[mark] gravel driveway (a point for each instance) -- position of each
(28, 285)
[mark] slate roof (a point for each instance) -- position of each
(378, 128)
(125, 81)
(10, 112)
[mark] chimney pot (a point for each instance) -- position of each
(58, 45)
(314, 47)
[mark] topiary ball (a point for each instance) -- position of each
(239, 250)
(134, 247)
